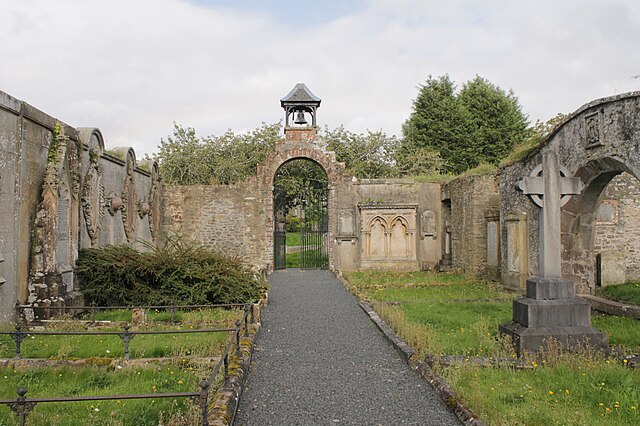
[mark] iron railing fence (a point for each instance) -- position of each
(93, 309)
(22, 405)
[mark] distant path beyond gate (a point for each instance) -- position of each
(320, 361)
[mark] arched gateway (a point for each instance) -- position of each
(596, 143)
(300, 142)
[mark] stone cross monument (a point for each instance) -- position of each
(551, 308)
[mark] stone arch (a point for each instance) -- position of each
(597, 142)
(266, 171)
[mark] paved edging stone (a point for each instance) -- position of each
(612, 307)
(224, 403)
(445, 393)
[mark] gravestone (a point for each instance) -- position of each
(551, 309)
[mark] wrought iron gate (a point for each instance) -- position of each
(314, 231)
(311, 209)
(279, 230)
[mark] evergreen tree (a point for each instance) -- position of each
(479, 124)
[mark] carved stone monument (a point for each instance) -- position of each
(551, 308)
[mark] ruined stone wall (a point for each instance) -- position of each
(473, 200)
(55, 199)
(597, 142)
(227, 218)
(617, 236)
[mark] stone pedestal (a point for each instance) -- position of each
(552, 310)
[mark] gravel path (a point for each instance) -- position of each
(319, 360)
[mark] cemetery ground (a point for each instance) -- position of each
(452, 321)
(95, 365)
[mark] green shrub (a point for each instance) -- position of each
(293, 224)
(176, 273)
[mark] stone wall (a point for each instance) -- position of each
(56, 193)
(617, 232)
(228, 218)
(390, 195)
(472, 203)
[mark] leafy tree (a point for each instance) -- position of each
(186, 159)
(480, 124)
(367, 155)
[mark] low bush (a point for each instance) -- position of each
(178, 272)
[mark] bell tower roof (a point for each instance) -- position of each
(300, 94)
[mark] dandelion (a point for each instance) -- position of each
(551, 392)
(567, 391)
(625, 361)
(180, 382)
(601, 405)
(633, 407)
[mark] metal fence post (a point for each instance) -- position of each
(204, 401)
(246, 317)
(17, 336)
(253, 317)
(126, 338)
(22, 407)
(238, 338)
(172, 309)
(226, 369)
(93, 311)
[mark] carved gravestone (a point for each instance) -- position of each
(551, 309)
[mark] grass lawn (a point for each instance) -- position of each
(574, 392)
(96, 381)
(629, 293)
(434, 313)
(293, 239)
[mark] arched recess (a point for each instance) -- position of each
(579, 219)
(596, 143)
(267, 171)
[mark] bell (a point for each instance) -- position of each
(300, 118)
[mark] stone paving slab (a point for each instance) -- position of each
(320, 361)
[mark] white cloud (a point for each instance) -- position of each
(132, 68)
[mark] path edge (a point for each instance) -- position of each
(224, 405)
(412, 359)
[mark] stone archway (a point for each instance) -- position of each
(287, 151)
(596, 143)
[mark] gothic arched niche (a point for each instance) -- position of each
(388, 236)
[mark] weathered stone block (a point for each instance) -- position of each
(550, 289)
(551, 313)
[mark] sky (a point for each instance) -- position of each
(134, 67)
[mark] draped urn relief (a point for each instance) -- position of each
(388, 236)
(93, 200)
(129, 199)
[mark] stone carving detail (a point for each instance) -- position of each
(129, 200)
(592, 130)
(154, 203)
(429, 223)
(93, 201)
